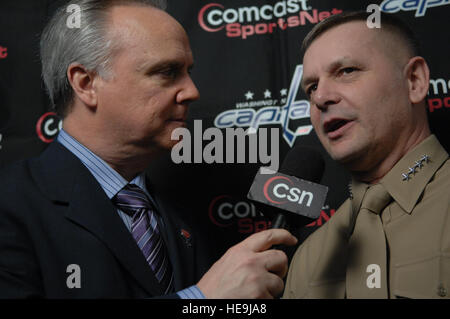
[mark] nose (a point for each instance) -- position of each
(325, 95)
(188, 93)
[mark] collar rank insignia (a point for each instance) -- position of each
(417, 165)
(350, 190)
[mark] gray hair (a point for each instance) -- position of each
(88, 44)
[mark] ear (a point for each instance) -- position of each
(82, 82)
(418, 76)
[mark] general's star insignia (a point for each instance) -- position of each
(417, 165)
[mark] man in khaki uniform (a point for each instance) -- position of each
(391, 238)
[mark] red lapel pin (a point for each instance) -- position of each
(186, 236)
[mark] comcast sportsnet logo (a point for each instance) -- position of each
(48, 127)
(244, 22)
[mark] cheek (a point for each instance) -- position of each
(160, 100)
(389, 101)
(385, 113)
(148, 108)
(154, 111)
(315, 117)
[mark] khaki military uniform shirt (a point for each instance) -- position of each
(416, 226)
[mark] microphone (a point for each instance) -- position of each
(292, 195)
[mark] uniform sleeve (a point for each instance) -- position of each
(297, 278)
(317, 269)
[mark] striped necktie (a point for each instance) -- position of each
(144, 227)
(367, 263)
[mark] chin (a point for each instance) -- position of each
(168, 144)
(344, 154)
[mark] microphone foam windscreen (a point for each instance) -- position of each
(303, 162)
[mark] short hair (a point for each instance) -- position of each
(388, 22)
(89, 45)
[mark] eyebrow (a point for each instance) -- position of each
(161, 65)
(329, 69)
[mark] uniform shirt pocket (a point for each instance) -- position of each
(425, 278)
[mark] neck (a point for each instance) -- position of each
(123, 159)
(386, 163)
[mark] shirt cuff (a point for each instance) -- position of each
(192, 292)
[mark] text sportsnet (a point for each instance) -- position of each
(244, 31)
(246, 21)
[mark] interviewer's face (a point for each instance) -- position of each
(149, 92)
(358, 93)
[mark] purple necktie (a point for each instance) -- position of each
(144, 227)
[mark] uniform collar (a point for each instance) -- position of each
(357, 191)
(408, 178)
(406, 181)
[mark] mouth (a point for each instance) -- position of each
(336, 127)
(178, 122)
(178, 118)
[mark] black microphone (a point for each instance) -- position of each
(292, 195)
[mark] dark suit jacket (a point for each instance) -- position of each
(53, 213)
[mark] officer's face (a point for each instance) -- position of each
(358, 93)
(148, 95)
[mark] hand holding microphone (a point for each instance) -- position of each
(250, 269)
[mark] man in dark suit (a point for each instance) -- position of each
(80, 220)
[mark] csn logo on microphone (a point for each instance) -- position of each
(289, 193)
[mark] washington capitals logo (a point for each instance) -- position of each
(292, 109)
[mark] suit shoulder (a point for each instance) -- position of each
(12, 175)
(17, 182)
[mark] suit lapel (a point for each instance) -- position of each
(65, 179)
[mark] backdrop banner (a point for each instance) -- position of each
(248, 66)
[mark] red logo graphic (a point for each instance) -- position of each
(272, 189)
(438, 103)
(201, 17)
(440, 88)
(3, 52)
(216, 211)
(244, 22)
(226, 211)
(323, 218)
(48, 126)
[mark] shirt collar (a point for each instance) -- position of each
(406, 181)
(408, 178)
(109, 179)
(357, 191)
